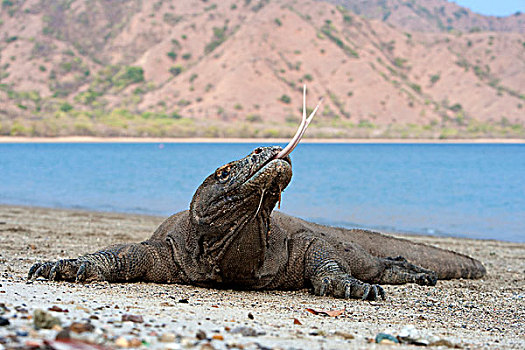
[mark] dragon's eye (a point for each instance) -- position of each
(257, 150)
(222, 174)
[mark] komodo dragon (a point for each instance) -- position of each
(231, 238)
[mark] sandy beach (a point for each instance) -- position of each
(472, 314)
(89, 139)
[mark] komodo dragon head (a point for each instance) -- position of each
(242, 190)
(231, 209)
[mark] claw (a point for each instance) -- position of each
(81, 273)
(373, 293)
(32, 271)
(382, 293)
(42, 271)
(53, 273)
(324, 287)
(348, 291)
(366, 292)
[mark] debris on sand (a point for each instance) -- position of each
(44, 319)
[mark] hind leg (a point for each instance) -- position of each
(373, 269)
(399, 271)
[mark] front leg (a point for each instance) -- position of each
(330, 276)
(147, 261)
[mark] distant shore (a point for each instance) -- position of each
(90, 139)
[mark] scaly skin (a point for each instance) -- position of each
(229, 237)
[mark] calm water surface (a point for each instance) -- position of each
(462, 190)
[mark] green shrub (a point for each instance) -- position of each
(253, 118)
(456, 107)
(176, 70)
(175, 115)
(448, 133)
(278, 22)
(66, 66)
(219, 36)
(66, 107)
(366, 124)
(416, 87)
(171, 19)
(172, 55)
(285, 99)
(327, 30)
(400, 62)
(128, 75)
(18, 129)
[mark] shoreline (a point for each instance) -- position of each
(91, 139)
(401, 233)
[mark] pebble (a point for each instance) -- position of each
(122, 342)
(132, 318)
(135, 343)
(167, 338)
(63, 334)
(207, 346)
(79, 327)
(4, 321)
(344, 335)
(201, 335)
(384, 338)
(246, 331)
(43, 319)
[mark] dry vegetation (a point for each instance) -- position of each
(235, 69)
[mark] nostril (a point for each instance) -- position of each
(257, 150)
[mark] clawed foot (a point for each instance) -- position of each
(67, 269)
(401, 271)
(345, 286)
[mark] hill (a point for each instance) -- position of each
(236, 68)
(432, 16)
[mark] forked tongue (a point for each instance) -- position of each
(300, 131)
(298, 135)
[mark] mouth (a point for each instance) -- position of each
(279, 161)
(270, 171)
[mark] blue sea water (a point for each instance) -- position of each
(475, 191)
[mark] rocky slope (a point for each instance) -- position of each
(236, 68)
(432, 16)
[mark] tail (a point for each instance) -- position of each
(446, 263)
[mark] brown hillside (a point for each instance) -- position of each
(432, 16)
(236, 68)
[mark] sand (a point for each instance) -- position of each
(487, 313)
